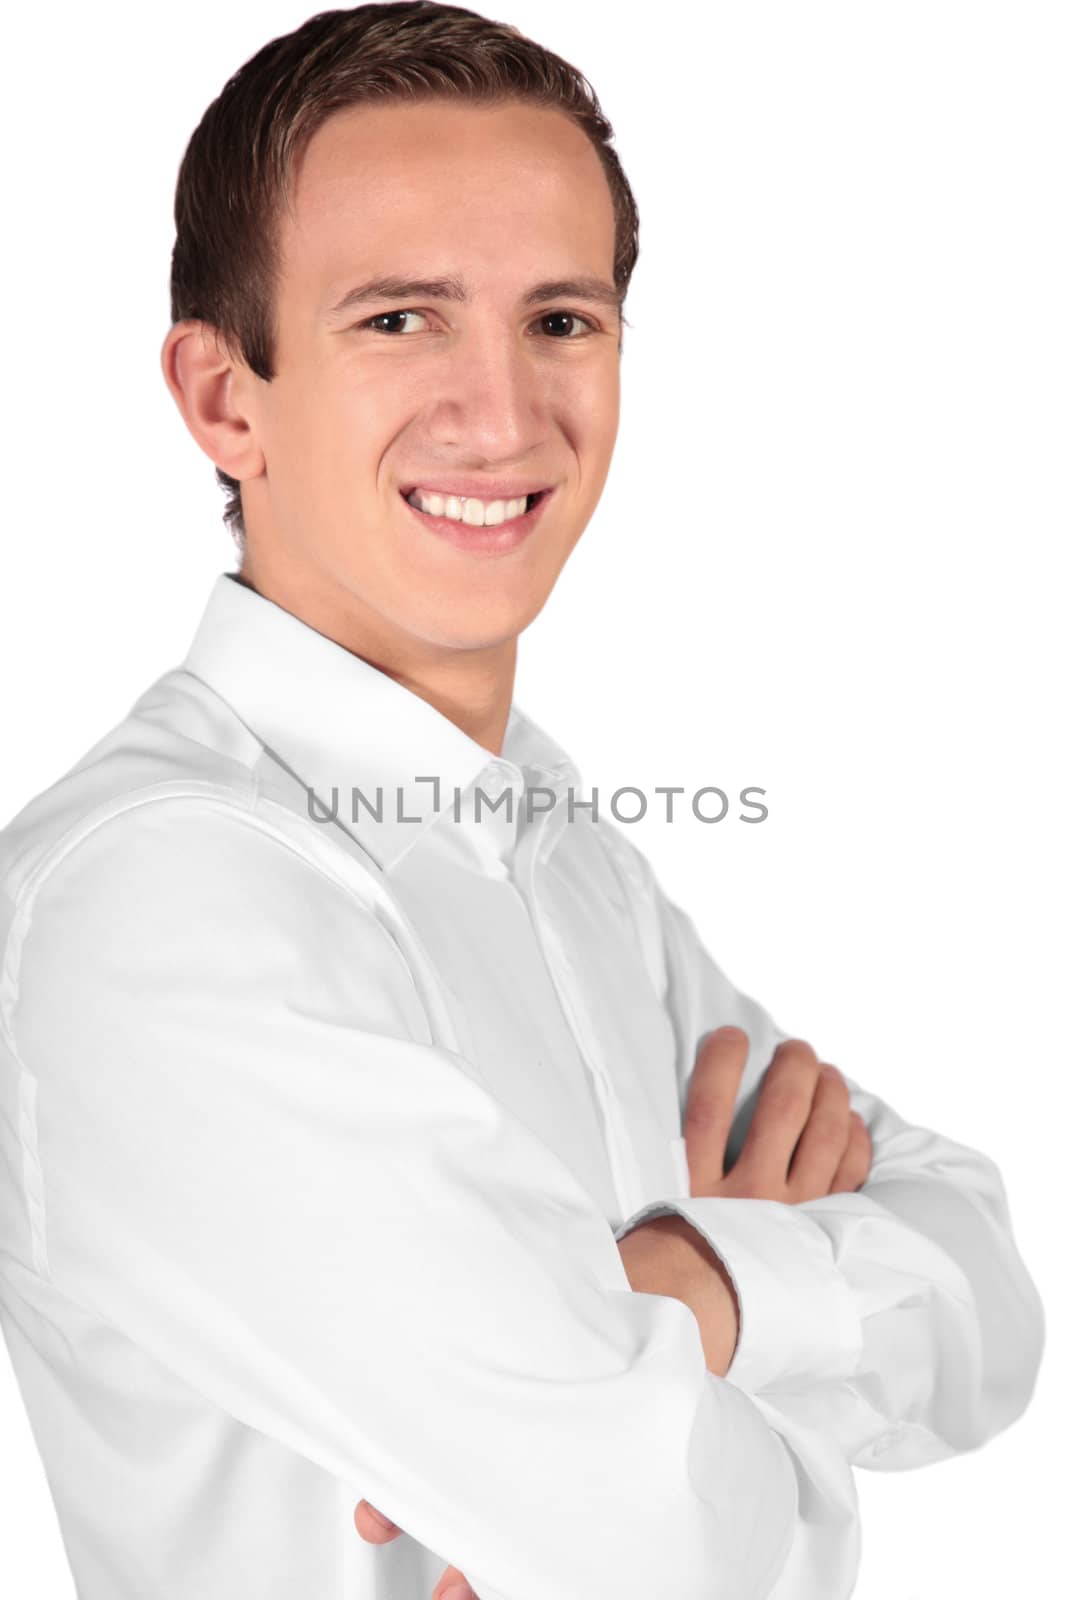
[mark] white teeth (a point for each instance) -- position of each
(465, 508)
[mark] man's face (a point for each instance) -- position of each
(411, 388)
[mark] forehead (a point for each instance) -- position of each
(374, 175)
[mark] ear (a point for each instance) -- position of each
(199, 371)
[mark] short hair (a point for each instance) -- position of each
(237, 167)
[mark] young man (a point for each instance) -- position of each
(350, 1065)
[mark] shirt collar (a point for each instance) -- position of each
(338, 723)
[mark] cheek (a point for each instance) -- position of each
(594, 407)
(346, 426)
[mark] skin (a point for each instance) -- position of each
(502, 198)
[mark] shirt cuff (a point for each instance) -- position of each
(798, 1322)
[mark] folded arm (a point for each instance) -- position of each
(257, 1164)
(899, 1321)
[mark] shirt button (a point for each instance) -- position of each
(495, 781)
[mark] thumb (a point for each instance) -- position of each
(452, 1585)
(373, 1525)
(709, 1109)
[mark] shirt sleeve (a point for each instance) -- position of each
(897, 1320)
(255, 1164)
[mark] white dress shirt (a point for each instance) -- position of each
(317, 1136)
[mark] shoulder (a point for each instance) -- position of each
(178, 791)
(159, 862)
(179, 739)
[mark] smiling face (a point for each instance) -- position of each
(497, 375)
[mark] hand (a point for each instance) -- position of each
(803, 1142)
(377, 1529)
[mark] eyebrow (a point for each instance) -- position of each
(449, 288)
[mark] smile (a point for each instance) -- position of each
(467, 508)
(482, 527)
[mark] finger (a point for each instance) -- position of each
(824, 1140)
(452, 1585)
(373, 1525)
(709, 1108)
(856, 1161)
(785, 1095)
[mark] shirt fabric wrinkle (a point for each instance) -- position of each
(319, 1130)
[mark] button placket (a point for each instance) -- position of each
(622, 1157)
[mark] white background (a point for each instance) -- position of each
(828, 561)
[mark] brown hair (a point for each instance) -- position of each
(236, 169)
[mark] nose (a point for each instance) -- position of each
(490, 395)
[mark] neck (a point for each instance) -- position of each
(471, 687)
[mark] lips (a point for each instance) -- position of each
(488, 539)
(468, 489)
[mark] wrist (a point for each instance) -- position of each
(668, 1255)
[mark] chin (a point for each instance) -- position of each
(467, 627)
(477, 636)
(481, 619)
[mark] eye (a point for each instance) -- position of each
(384, 316)
(571, 317)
